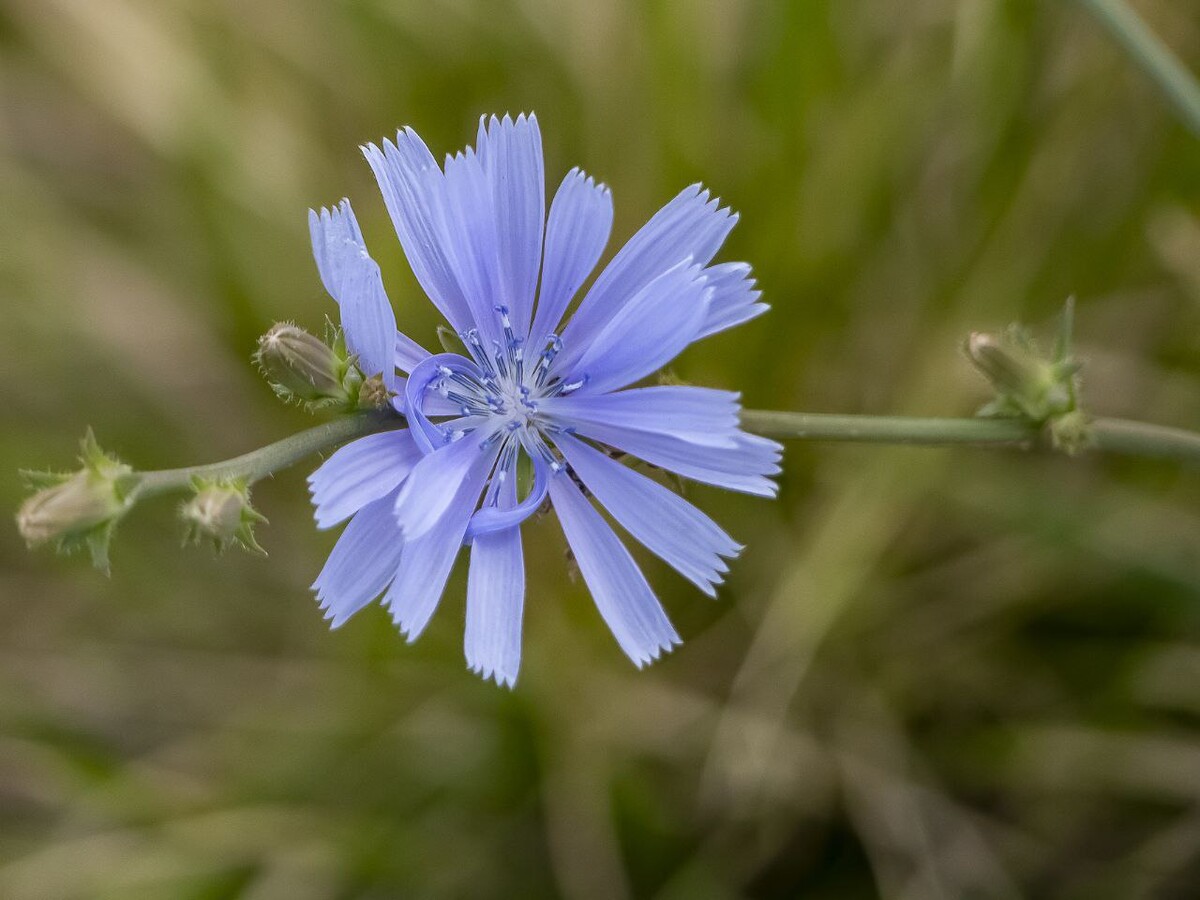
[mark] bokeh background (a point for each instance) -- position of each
(932, 674)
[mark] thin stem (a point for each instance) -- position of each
(887, 429)
(257, 464)
(1142, 439)
(1119, 436)
(1152, 55)
(1111, 435)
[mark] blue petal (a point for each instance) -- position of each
(473, 245)
(428, 559)
(645, 334)
(362, 562)
(336, 242)
(414, 191)
(511, 154)
(698, 414)
(734, 299)
(496, 599)
(408, 352)
(352, 278)
(618, 587)
(580, 221)
(670, 527)
(504, 517)
(743, 467)
(418, 403)
(360, 473)
(690, 226)
(432, 486)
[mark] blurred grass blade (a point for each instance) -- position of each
(1152, 55)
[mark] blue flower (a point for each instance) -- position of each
(529, 386)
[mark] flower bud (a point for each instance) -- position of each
(221, 512)
(302, 367)
(77, 504)
(80, 508)
(1010, 373)
(1026, 384)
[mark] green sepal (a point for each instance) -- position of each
(35, 481)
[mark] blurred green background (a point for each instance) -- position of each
(932, 674)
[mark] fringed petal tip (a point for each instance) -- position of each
(711, 202)
(409, 630)
(326, 604)
(658, 652)
(589, 181)
(501, 679)
(488, 122)
(335, 621)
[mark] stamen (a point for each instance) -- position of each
(518, 357)
(575, 385)
(508, 454)
(516, 354)
(470, 337)
(501, 365)
(469, 403)
(491, 439)
(505, 321)
(554, 346)
(561, 389)
(460, 378)
(537, 445)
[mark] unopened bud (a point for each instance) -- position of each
(80, 508)
(78, 504)
(302, 367)
(221, 512)
(1010, 372)
(1025, 384)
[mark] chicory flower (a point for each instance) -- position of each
(530, 392)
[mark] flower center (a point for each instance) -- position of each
(501, 390)
(493, 398)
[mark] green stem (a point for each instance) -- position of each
(1120, 436)
(1111, 435)
(887, 429)
(1142, 439)
(1152, 55)
(257, 464)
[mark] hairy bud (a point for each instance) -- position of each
(221, 512)
(302, 367)
(80, 508)
(1028, 382)
(1040, 387)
